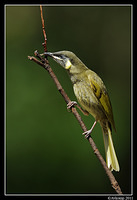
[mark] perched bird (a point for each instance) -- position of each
(92, 95)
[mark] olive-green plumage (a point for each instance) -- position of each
(92, 95)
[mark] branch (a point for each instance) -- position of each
(45, 64)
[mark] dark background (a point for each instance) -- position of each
(45, 149)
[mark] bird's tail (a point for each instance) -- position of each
(111, 158)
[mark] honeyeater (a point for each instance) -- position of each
(92, 95)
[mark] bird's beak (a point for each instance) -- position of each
(57, 57)
(47, 54)
(51, 55)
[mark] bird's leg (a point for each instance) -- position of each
(74, 103)
(87, 133)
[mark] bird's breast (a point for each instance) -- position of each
(87, 99)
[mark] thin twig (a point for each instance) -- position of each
(43, 28)
(45, 64)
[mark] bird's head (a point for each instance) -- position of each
(67, 60)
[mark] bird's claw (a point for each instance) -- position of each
(86, 133)
(71, 104)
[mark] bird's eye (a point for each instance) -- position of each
(72, 61)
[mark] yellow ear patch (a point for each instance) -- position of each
(68, 64)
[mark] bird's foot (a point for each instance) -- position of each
(87, 133)
(71, 104)
(74, 103)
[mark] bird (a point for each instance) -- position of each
(92, 95)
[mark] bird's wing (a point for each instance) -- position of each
(101, 94)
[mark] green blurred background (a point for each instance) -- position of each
(45, 149)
